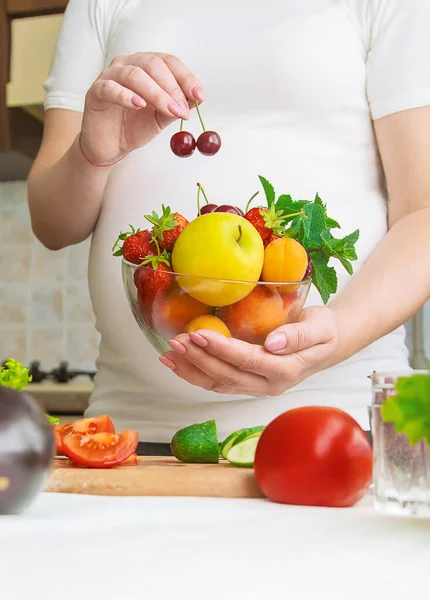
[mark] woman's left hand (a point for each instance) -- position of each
(229, 366)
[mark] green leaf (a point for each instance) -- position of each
(52, 420)
(289, 206)
(409, 409)
(331, 223)
(268, 190)
(118, 252)
(14, 375)
(346, 265)
(342, 249)
(323, 277)
(314, 223)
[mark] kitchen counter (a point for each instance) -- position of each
(72, 546)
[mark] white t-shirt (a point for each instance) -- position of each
(292, 87)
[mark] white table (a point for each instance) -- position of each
(101, 548)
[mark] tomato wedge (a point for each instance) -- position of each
(82, 427)
(100, 450)
(131, 461)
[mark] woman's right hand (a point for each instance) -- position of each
(132, 101)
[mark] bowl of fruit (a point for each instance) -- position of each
(242, 273)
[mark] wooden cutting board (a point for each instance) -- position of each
(156, 476)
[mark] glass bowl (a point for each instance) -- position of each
(249, 310)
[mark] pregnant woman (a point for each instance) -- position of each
(316, 95)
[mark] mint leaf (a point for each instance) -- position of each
(348, 243)
(268, 190)
(314, 224)
(342, 249)
(323, 277)
(409, 409)
(333, 248)
(331, 223)
(289, 206)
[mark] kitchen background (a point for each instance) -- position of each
(45, 309)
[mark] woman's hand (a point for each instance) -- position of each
(229, 366)
(132, 101)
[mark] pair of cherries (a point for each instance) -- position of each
(212, 208)
(183, 143)
(226, 208)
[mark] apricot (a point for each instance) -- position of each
(208, 322)
(285, 260)
(254, 317)
(172, 313)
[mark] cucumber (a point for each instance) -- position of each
(232, 438)
(197, 443)
(242, 453)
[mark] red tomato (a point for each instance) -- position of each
(82, 427)
(316, 456)
(131, 461)
(99, 450)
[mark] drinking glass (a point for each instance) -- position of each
(401, 472)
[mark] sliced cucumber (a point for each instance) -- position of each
(196, 443)
(231, 439)
(242, 454)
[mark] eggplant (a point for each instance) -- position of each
(26, 451)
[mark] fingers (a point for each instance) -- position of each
(160, 80)
(315, 329)
(107, 92)
(158, 70)
(138, 81)
(183, 369)
(243, 356)
(227, 376)
(189, 83)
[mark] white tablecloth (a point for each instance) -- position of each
(86, 547)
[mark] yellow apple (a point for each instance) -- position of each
(218, 246)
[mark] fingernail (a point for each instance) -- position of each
(198, 339)
(138, 102)
(185, 109)
(167, 363)
(175, 110)
(177, 346)
(276, 342)
(198, 93)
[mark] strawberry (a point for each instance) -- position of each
(137, 245)
(167, 227)
(153, 278)
(152, 282)
(267, 221)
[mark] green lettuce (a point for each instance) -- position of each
(15, 376)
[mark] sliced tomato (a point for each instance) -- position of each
(131, 461)
(82, 427)
(99, 450)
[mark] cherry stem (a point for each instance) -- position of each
(250, 200)
(181, 125)
(240, 234)
(200, 117)
(199, 189)
(203, 192)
